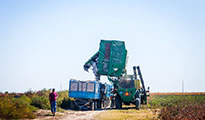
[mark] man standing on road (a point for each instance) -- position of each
(52, 98)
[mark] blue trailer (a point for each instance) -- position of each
(89, 94)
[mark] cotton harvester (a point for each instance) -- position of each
(110, 61)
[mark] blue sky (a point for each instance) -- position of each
(43, 44)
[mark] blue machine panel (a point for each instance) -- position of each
(84, 89)
(108, 90)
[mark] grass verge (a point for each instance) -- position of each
(129, 113)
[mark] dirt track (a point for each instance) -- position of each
(67, 115)
(81, 115)
(124, 113)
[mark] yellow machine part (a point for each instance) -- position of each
(137, 84)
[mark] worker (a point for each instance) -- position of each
(112, 97)
(52, 97)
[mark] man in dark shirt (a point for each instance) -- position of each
(52, 98)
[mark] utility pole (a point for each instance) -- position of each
(182, 85)
(60, 87)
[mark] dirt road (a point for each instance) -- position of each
(68, 115)
(82, 115)
(124, 114)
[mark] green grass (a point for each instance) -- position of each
(179, 106)
(175, 100)
(128, 114)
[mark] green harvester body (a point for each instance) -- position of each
(111, 61)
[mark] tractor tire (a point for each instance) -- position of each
(118, 102)
(137, 103)
(142, 99)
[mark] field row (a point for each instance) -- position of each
(177, 93)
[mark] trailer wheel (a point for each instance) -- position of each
(137, 103)
(74, 105)
(92, 105)
(118, 102)
(95, 105)
(99, 104)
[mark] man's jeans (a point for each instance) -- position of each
(53, 106)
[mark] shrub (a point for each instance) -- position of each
(40, 99)
(41, 102)
(19, 105)
(67, 103)
(15, 108)
(61, 96)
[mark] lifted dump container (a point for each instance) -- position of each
(112, 58)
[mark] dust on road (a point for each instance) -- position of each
(82, 115)
(67, 115)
